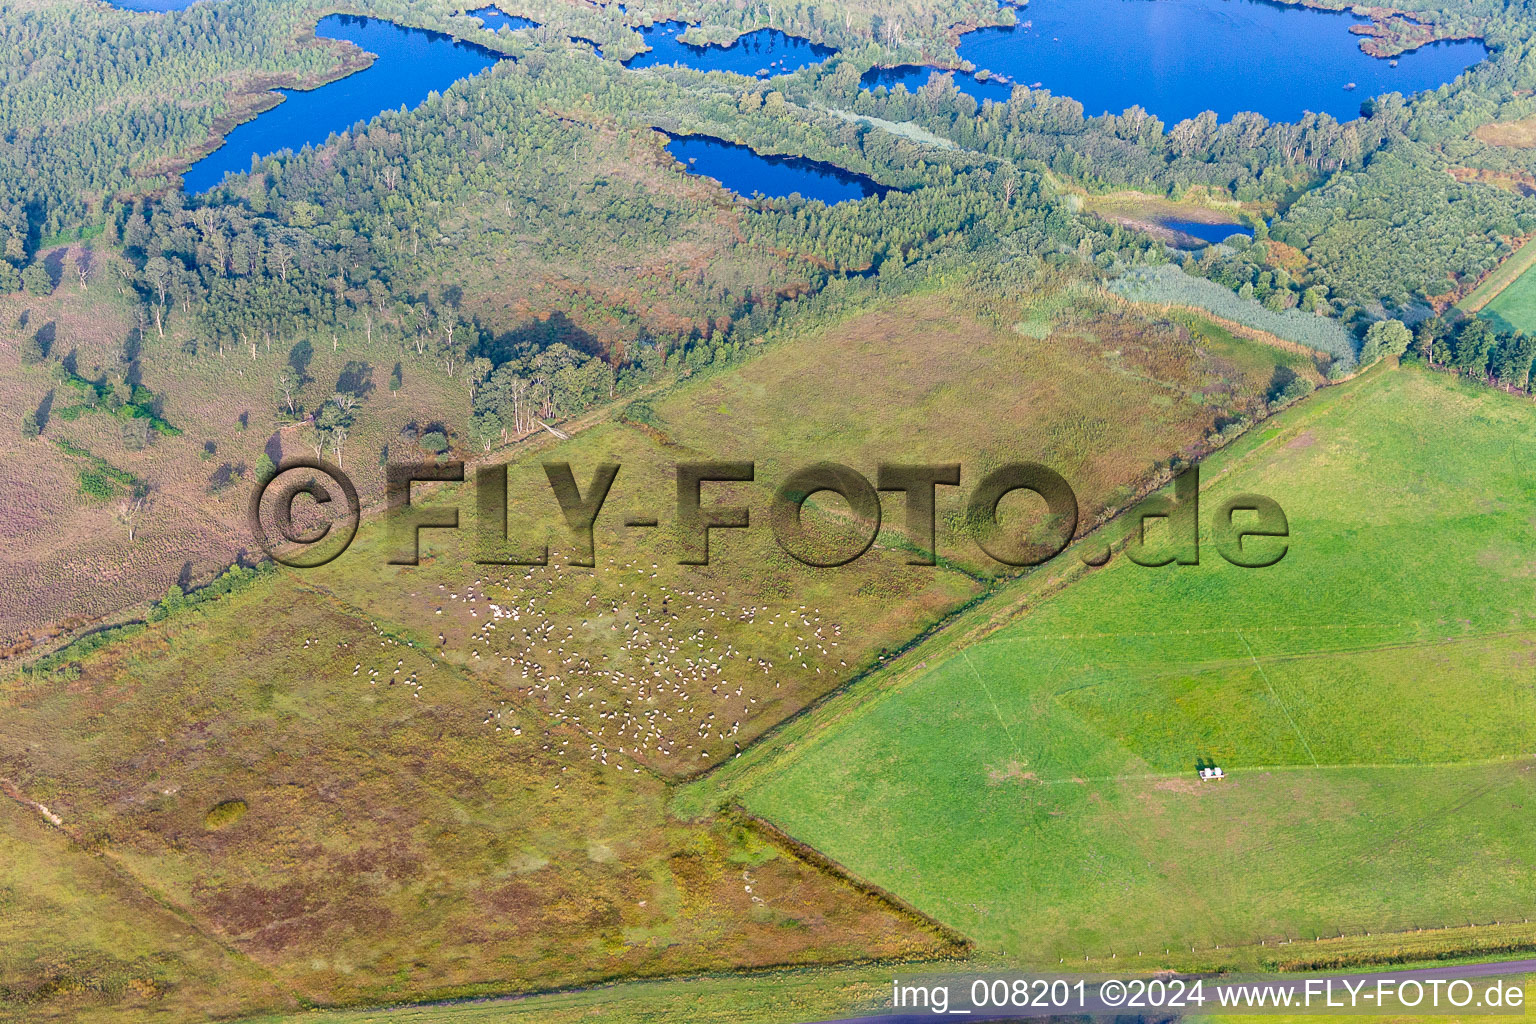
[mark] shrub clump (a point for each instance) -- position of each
(225, 812)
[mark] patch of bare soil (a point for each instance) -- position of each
(1013, 772)
(1303, 440)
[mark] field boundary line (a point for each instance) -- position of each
(973, 622)
(966, 654)
(1197, 632)
(826, 865)
(1500, 278)
(1487, 762)
(1150, 670)
(1286, 711)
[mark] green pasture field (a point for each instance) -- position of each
(1495, 288)
(1513, 308)
(1370, 698)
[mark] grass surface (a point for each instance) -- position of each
(818, 993)
(382, 783)
(1167, 285)
(409, 831)
(1370, 696)
(378, 783)
(1519, 134)
(1508, 296)
(74, 931)
(1104, 397)
(664, 666)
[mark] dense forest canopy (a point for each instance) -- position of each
(366, 236)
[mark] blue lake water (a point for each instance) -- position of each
(1177, 58)
(496, 20)
(758, 54)
(410, 64)
(744, 171)
(1207, 232)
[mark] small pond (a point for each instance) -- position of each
(745, 171)
(1205, 230)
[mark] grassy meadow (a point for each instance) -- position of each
(1513, 307)
(372, 784)
(668, 667)
(1370, 698)
(814, 993)
(1491, 289)
(1103, 396)
(873, 387)
(363, 822)
(75, 932)
(678, 668)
